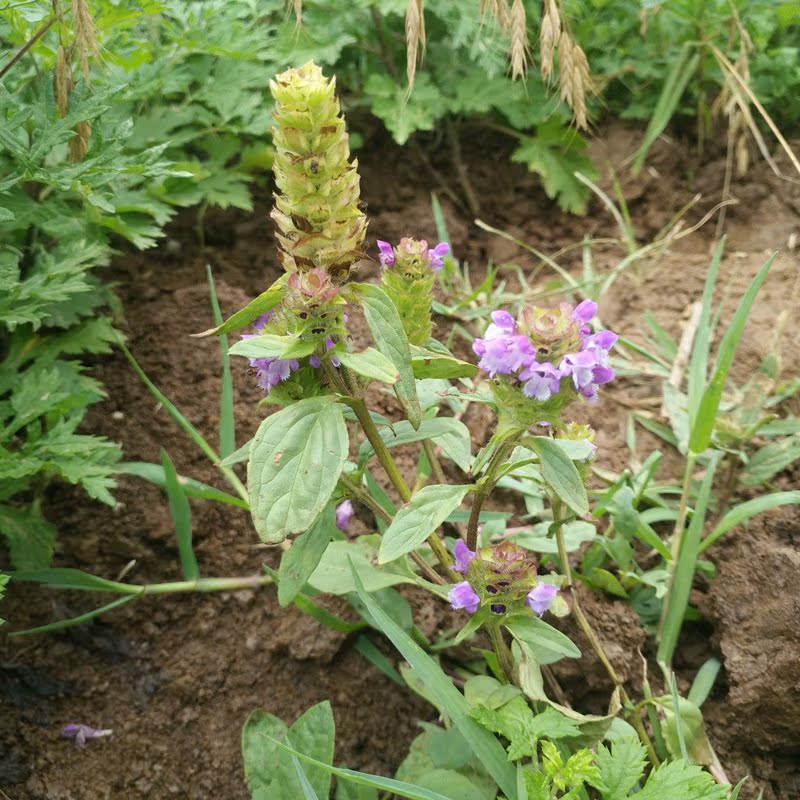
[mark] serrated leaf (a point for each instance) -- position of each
(621, 767)
(677, 779)
(29, 537)
(296, 458)
(418, 519)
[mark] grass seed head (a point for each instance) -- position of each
(519, 40)
(85, 38)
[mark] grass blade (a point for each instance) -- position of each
(182, 517)
(227, 424)
(367, 649)
(698, 363)
(79, 620)
(485, 746)
(744, 511)
(709, 404)
(390, 785)
(677, 597)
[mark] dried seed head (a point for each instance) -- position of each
(61, 82)
(549, 34)
(519, 40)
(742, 155)
(573, 77)
(85, 39)
(498, 11)
(297, 7)
(415, 35)
(79, 144)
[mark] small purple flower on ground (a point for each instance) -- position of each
(541, 597)
(437, 255)
(386, 256)
(82, 733)
(463, 556)
(462, 595)
(344, 513)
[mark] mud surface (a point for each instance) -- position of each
(176, 676)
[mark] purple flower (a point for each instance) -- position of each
(541, 597)
(344, 513)
(81, 733)
(386, 256)
(584, 312)
(462, 595)
(504, 355)
(437, 254)
(541, 381)
(463, 556)
(502, 325)
(271, 371)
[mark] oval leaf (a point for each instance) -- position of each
(371, 364)
(561, 474)
(296, 458)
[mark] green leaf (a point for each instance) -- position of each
(268, 345)
(181, 517)
(771, 459)
(65, 578)
(354, 791)
(371, 364)
(548, 644)
(744, 511)
(677, 779)
(390, 338)
(29, 536)
(303, 557)
(296, 458)
(561, 474)
(704, 681)
(709, 404)
(269, 771)
(227, 423)
(684, 733)
(62, 624)
(264, 303)
(485, 746)
(427, 364)
(418, 519)
(154, 473)
(621, 767)
(334, 576)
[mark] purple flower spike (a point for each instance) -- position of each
(462, 595)
(541, 597)
(344, 513)
(386, 256)
(463, 556)
(584, 312)
(437, 254)
(82, 733)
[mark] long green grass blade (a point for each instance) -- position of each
(485, 746)
(79, 620)
(697, 372)
(367, 649)
(744, 511)
(668, 100)
(185, 425)
(390, 785)
(154, 473)
(227, 424)
(182, 517)
(67, 578)
(677, 597)
(676, 710)
(709, 404)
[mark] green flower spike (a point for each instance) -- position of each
(316, 208)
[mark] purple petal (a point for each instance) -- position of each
(82, 733)
(386, 256)
(585, 311)
(462, 595)
(504, 320)
(541, 597)
(437, 255)
(315, 362)
(605, 340)
(463, 556)
(344, 513)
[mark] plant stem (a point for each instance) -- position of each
(433, 460)
(393, 473)
(27, 46)
(484, 490)
(502, 652)
(677, 537)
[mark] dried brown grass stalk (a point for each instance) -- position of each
(296, 7)
(415, 36)
(79, 144)
(499, 10)
(549, 34)
(61, 82)
(519, 40)
(573, 76)
(85, 38)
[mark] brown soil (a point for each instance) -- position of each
(176, 676)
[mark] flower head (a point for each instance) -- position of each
(344, 513)
(412, 257)
(463, 556)
(540, 598)
(462, 595)
(386, 256)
